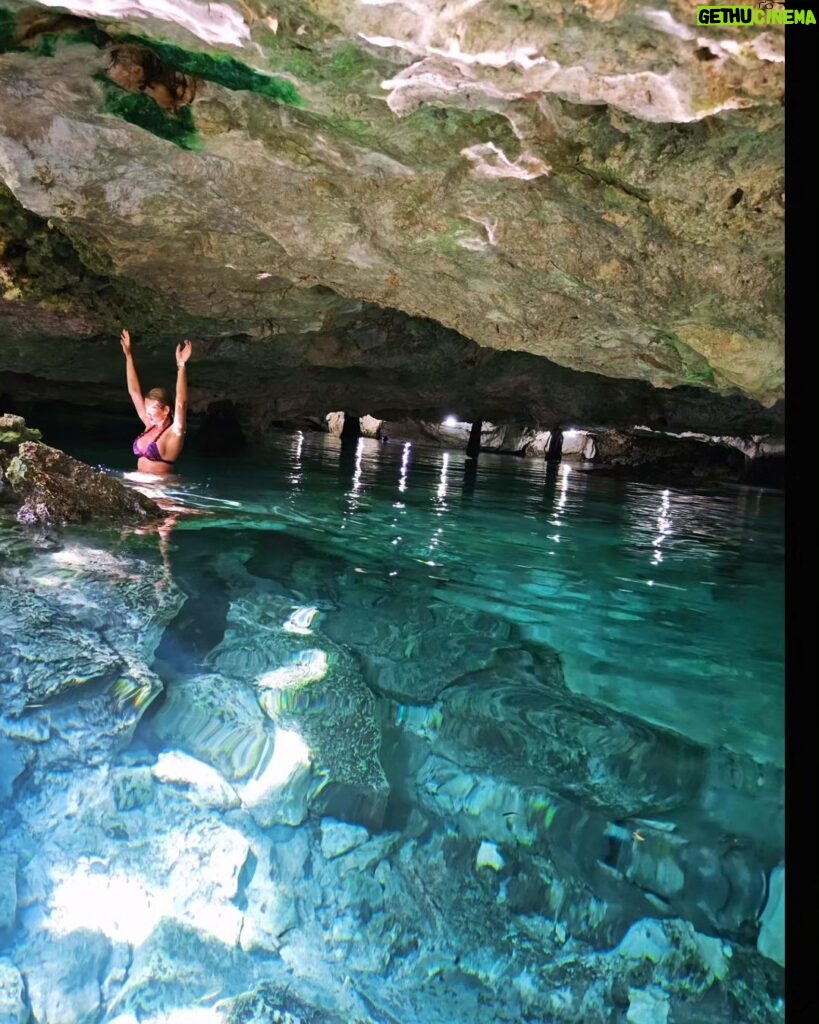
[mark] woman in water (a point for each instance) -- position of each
(160, 444)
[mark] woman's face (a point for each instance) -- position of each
(155, 411)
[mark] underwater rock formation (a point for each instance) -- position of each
(76, 673)
(503, 849)
(613, 825)
(316, 690)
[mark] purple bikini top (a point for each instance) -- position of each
(151, 450)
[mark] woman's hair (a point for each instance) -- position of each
(159, 395)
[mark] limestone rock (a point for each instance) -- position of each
(771, 941)
(13, 431)
(177, 963)
(596, 187)
(14, 1007)
(44, 652)
(206, 786)
(12, 762)
(63, 975)
(338, 838)
(8, 892)
(57, 489)
(412, 650)
(97, 648)
(315, 693)
(652, 456)
(217, 720)
(647, 1006)
(271, 1003)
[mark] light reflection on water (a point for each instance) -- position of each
(646, 591)
(662, 602)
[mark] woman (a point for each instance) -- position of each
(160, 444)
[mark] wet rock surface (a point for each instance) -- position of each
(652, 457)
(57, 489)
(14, 1007)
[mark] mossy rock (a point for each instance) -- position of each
(56, 489)
(13, 431)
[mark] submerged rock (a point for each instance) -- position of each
(519, 719)
(14, 1007)
(338, 838)
(45, 651)
(12, 763)
(270, 1003)
(218, 720)
(8, 892)
(620, 819)
(411, 649)
(177, 964)
(771, 942)
(312, 687)
(334, 712)
(63, 975)
(77, 621)
(56, 489)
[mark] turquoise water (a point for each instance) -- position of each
(431, 744)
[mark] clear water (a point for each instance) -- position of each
(553, 699)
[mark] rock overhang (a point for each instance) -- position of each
(596, 185)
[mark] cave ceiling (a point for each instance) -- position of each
(551, 212)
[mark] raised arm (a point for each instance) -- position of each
(134, 390)
(180, 413)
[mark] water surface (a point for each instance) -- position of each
(548, 695)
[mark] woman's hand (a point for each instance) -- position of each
(125, 341)
(183, 353)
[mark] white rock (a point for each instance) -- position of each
(208, 863)
(338, 837)
(489, 856)
(204, 786)
(714, 954)
(8, 891)
(13, 1008)
(645, 940)
(62, 976)
(647, 1006)
(771, 941)
(270, 913)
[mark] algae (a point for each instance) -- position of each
(225, 71)
(8, 30)
(140, 110)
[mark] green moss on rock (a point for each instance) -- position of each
(46, 45)
(225, 71)
(696, 370)
(347, 64)
(53, 267)
(8, 30)
(457, 129)
(140, 110)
